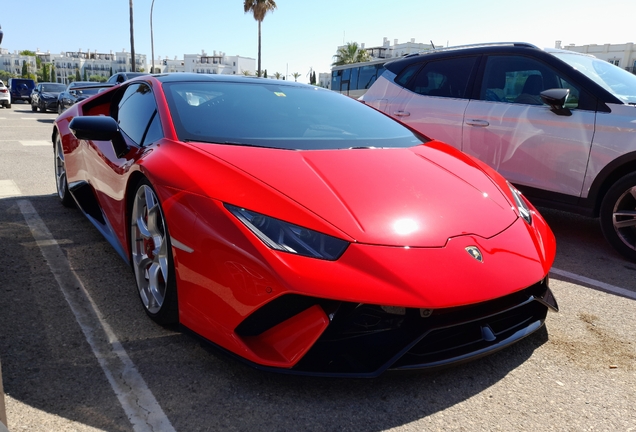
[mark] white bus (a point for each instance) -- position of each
(355, 79)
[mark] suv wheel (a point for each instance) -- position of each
(618, 216)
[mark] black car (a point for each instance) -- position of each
(44, 96)
(21, 88)
(120, 77)
(77, 91)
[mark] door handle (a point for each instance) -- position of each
(401, 113)
(480, 123)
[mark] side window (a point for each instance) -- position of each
(517, 79)
(137, 115)
(444, 78)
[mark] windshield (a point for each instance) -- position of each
(617, 81)
(54, 88)
(266, 114)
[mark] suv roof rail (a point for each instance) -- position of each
(477, 45)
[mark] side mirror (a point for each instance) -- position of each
(556, 98)
(73, 92)
(99, 128)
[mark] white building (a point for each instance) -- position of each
(387, 51)
(622, 55)
(12, 62)
(217, 63)
(68, 64)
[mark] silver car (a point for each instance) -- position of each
(558, 124)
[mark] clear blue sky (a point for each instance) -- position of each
(300, 34)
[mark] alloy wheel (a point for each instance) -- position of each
(149, 249)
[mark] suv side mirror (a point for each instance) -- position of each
(556, 98)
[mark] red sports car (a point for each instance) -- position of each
(301, 230)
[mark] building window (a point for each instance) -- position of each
(614, 61)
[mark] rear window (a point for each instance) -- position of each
(279, 116)
(53, 87)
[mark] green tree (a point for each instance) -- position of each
(313, 78)
(27, 53)
(25, 70)
(53, 78)
(77, 75)
(350, 53)
(246, 72)
(278, 75)
(296, 75)
(45, 73)
(259, 9)
(265, 74)
(4, 76)
(85, 78)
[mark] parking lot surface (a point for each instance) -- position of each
(79, 354)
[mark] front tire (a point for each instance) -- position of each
(151, 256)
(34, 108)
(42, 106)
(618, 216)
(60, 175)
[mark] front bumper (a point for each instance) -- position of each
(363, 340)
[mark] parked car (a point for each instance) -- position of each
(75, 92)
(301, 230)
(5, 96)
(21, 89)
(557, 124)
(44, 96)
(120, 77)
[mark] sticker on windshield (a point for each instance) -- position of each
(280, 94)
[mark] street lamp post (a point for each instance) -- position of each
(152, 42)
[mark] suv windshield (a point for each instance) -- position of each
(617, 81)
(265, 114)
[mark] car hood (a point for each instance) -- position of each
(417, 197)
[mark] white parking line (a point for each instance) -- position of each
(597, 284)
(135, 397)
(36, 143)
(8, 188)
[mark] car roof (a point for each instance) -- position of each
(476, 49)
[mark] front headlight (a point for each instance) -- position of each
(287, 237)
(523, 209)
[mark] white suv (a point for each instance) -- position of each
(559, 125)
(5, 96)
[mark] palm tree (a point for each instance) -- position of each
(296, 75)
(259, 9)
(278, 75)
(350, 53)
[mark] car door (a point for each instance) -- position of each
(434, 97)
(140, 126)
(510, 129)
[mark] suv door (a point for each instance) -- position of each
(434, 97)
(508, 127)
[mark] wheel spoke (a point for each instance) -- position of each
(625, 223)
(156, 284)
